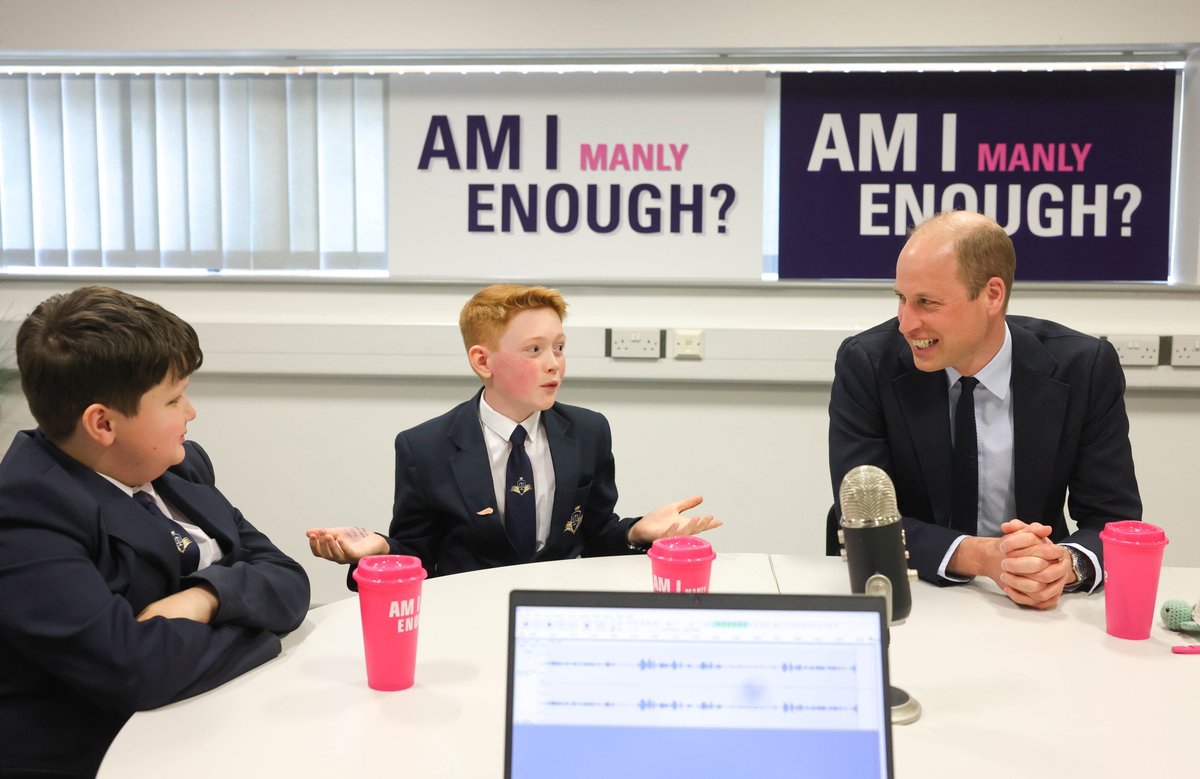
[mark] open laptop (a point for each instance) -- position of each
(629, 685)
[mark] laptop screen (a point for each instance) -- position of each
(632, 685)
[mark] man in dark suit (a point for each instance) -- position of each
(510, 476)
(1044, 404)
(127, 581)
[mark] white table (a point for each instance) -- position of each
(1012, 692)
(1006, 691)
(309, 712)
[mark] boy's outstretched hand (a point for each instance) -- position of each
(668, 520)
(345, 544)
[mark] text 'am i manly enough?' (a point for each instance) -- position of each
(642, 206)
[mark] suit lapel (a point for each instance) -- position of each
(473, 474)
(564, 452)
(126, 520)
(120, 516)
(925, 403)
(200, 506)
(1039, 407)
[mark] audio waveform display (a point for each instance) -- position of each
(675, 665)
(647, 704)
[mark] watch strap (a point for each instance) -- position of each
(1083, 570)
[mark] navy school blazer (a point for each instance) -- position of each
(445, 508)
(78, 561)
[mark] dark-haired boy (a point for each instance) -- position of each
(127, 581)
(462, 505)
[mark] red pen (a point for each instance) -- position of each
(1191, 649)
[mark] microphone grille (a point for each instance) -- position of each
(868, 498)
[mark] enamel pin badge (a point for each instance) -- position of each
(575, 521)
(181, 542)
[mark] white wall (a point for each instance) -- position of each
(569, 25)
(297, 449)
(303, 439)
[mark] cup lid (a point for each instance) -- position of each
(1133, 532)
(389, 569)
(682, 549)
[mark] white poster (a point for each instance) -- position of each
(576, 176)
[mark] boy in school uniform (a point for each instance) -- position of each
(127, 581)
(510, 476)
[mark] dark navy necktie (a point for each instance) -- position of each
(964, 507)
(189, 552)
(520, 514)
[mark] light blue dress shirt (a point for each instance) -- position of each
(994, 433)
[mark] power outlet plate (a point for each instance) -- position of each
(689, 344)
(636, 344)
(1185, 351)
(1136, 349)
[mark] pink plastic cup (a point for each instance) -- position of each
(1133, 553)
(681, 564)
(389, 599)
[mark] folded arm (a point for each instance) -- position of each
(58, 612)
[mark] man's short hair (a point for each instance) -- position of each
(98, 345)
(982, 247)
(485, 315)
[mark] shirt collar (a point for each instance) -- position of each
(996, 376)
(503, 426)
(125, 488)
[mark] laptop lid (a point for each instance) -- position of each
(630, 685)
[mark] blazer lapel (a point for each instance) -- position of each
(1039, 407)
(126, 520)
(200, 506)
(120, 517)
(925, 403)
(564, 451)
(473, 475)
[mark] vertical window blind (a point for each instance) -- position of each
(229, 171)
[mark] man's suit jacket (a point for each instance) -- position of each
(79, 559)
(1070, 434)
(444, 492)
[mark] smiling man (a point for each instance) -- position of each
(986, 423)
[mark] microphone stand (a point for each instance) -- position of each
(905, 708)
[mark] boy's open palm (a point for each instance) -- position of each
(345, 544)
(668, 520)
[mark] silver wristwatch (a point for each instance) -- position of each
(1080, 568)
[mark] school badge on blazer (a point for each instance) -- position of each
(181, 542)
(575, 521)
(520, 487)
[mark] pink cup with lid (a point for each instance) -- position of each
(1133, 553)
(681, 564)
(389, 600)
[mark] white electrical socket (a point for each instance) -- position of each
(689, 344)
(634, 343)
(1136, 349)
(1185, 351)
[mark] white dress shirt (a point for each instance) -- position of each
(994, 434)
(497, 429)
(210, 550)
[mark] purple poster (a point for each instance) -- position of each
(1076, 166)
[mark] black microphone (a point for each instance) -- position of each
(873, 539)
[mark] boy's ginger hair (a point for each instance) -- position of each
(489, 311)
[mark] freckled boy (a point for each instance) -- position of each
(512, 475)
